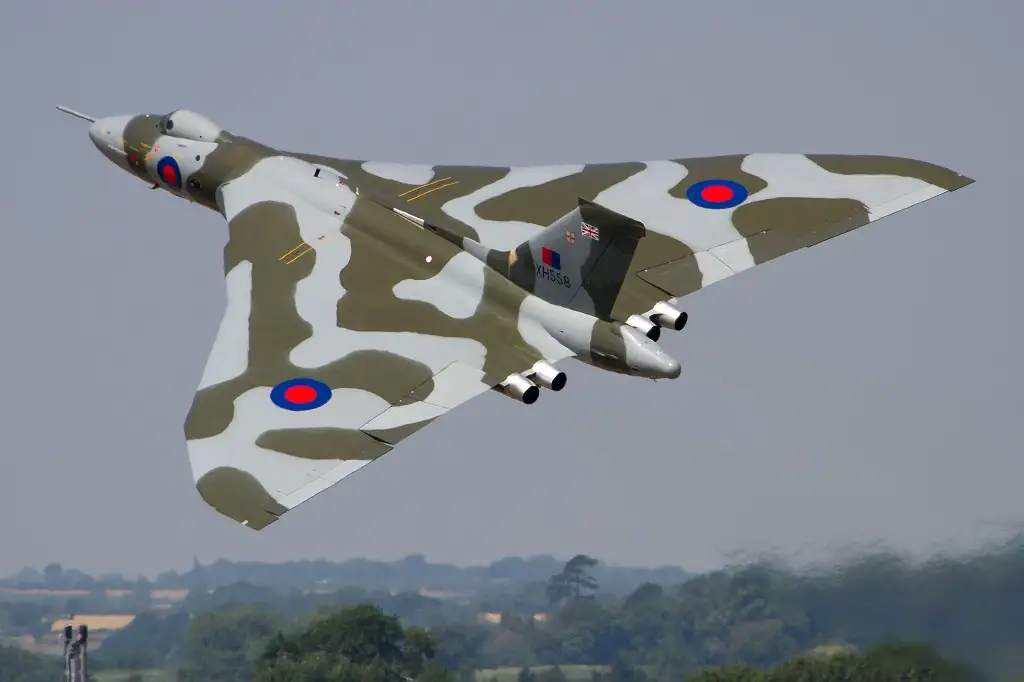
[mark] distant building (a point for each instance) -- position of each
(494, 617)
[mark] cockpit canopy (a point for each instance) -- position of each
(190, 126)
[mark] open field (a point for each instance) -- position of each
(123, 675)
(575, 673)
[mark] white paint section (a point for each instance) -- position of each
(406, 173)
(505, 234)
(406, 414)
(557, 333)
(317, 296)
(255, 186)
(645, 197)
(456, 384)
(229, 356)
(735, 255)
(287, 180)
(711, 269)
(325, 481)
(108, 136)
(457, 290)
(189, 125)
(906, 201)
(794, 175)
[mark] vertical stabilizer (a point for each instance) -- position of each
(579, 262)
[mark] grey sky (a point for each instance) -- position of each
(865, 390)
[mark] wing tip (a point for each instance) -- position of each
(961, 182)
(239, 496)
(881, 164)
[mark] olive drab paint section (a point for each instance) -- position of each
(367, 299)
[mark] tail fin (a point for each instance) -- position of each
(580, 262)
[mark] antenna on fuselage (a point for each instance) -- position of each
(76, 114)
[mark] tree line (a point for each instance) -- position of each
(754, 622)
(363, 644)
(411, 573)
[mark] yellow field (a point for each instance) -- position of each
(123, 675)
(575, 673)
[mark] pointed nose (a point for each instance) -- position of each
(108, 136)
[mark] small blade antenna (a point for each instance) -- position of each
(77, 114)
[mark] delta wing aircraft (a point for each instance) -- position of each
(366, 299)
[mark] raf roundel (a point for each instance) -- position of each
(717, 193)
(300, 394)
(168, 171)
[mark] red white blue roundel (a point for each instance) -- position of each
(717, 193)
(167, 170)
(300, 394)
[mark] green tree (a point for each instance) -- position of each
(623, 671)
(733, 673)
(73, 606)
(892, 660)
(17, 665)
(419, 650)
(152, 640)
(526, 675)
(221, 646)
(52, 575)
(574, 580)
(353, 644)
(460, 646)
(142, 592)
(466, 674)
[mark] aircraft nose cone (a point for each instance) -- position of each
(108, 136)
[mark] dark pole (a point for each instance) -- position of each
(68, 636)
(83, 639)
(76, 654)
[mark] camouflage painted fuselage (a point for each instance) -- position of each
(365, 299)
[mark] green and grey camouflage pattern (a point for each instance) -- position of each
(366, 299)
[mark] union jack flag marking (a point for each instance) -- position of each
(589, 230)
